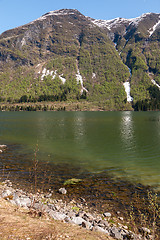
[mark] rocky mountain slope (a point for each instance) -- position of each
(64, 55)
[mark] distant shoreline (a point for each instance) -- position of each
(64, 106)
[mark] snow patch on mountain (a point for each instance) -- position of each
(153, 29)
(62, 78)
(110, 23)
(61, 12)
(46, 72)
(139, 19)
(93, 75)
(52, 73)
(80, 80)
(23, 42)
(118, 21)
(128, 90)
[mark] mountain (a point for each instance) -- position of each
(66, 56)
(138, 43)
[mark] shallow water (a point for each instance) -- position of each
(125, 144)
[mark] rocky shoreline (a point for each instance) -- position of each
(71, 212)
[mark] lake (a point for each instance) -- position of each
(124, 144)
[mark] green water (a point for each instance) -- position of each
(126, 144)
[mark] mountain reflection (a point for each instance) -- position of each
(79, 127)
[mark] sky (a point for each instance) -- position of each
(14, 13)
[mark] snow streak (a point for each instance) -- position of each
(127, 90)
(156, 84)
(80, 80)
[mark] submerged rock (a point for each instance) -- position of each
(72, 181)
(2, 147)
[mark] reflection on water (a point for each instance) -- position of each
(79, 127)
(127, 130)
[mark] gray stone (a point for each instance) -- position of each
(57, 215)
(48, 195)
(62, 191)
(77, 220)
(51, 206)
(67, 219)
(71, 214)
(119, 233)
(103, 223)
(125, 227)
(87, 225)
(121, 218)
(107, 214)
(146, 230)
(7, 194)
(100, 229)
(3, 146)
(80, 214)
(21, 200)
(36, 205)
(25, 202)
(12, 202)
(8, 183)
(45, 208)
(88, 217)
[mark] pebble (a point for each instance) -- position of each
(7, 194)
(77, 220)
(62, 191)
(121, 218)
(100, 229)
(57, 215)
(107, 214)
(146, 230)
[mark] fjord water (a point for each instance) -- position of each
(125, 144)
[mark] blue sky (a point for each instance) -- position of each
(14, 13)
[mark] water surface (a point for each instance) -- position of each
(126, 144)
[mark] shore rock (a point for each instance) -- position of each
(107, 214)
(70, 213)
(7, 194)
(62, 191)
(57, 215)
